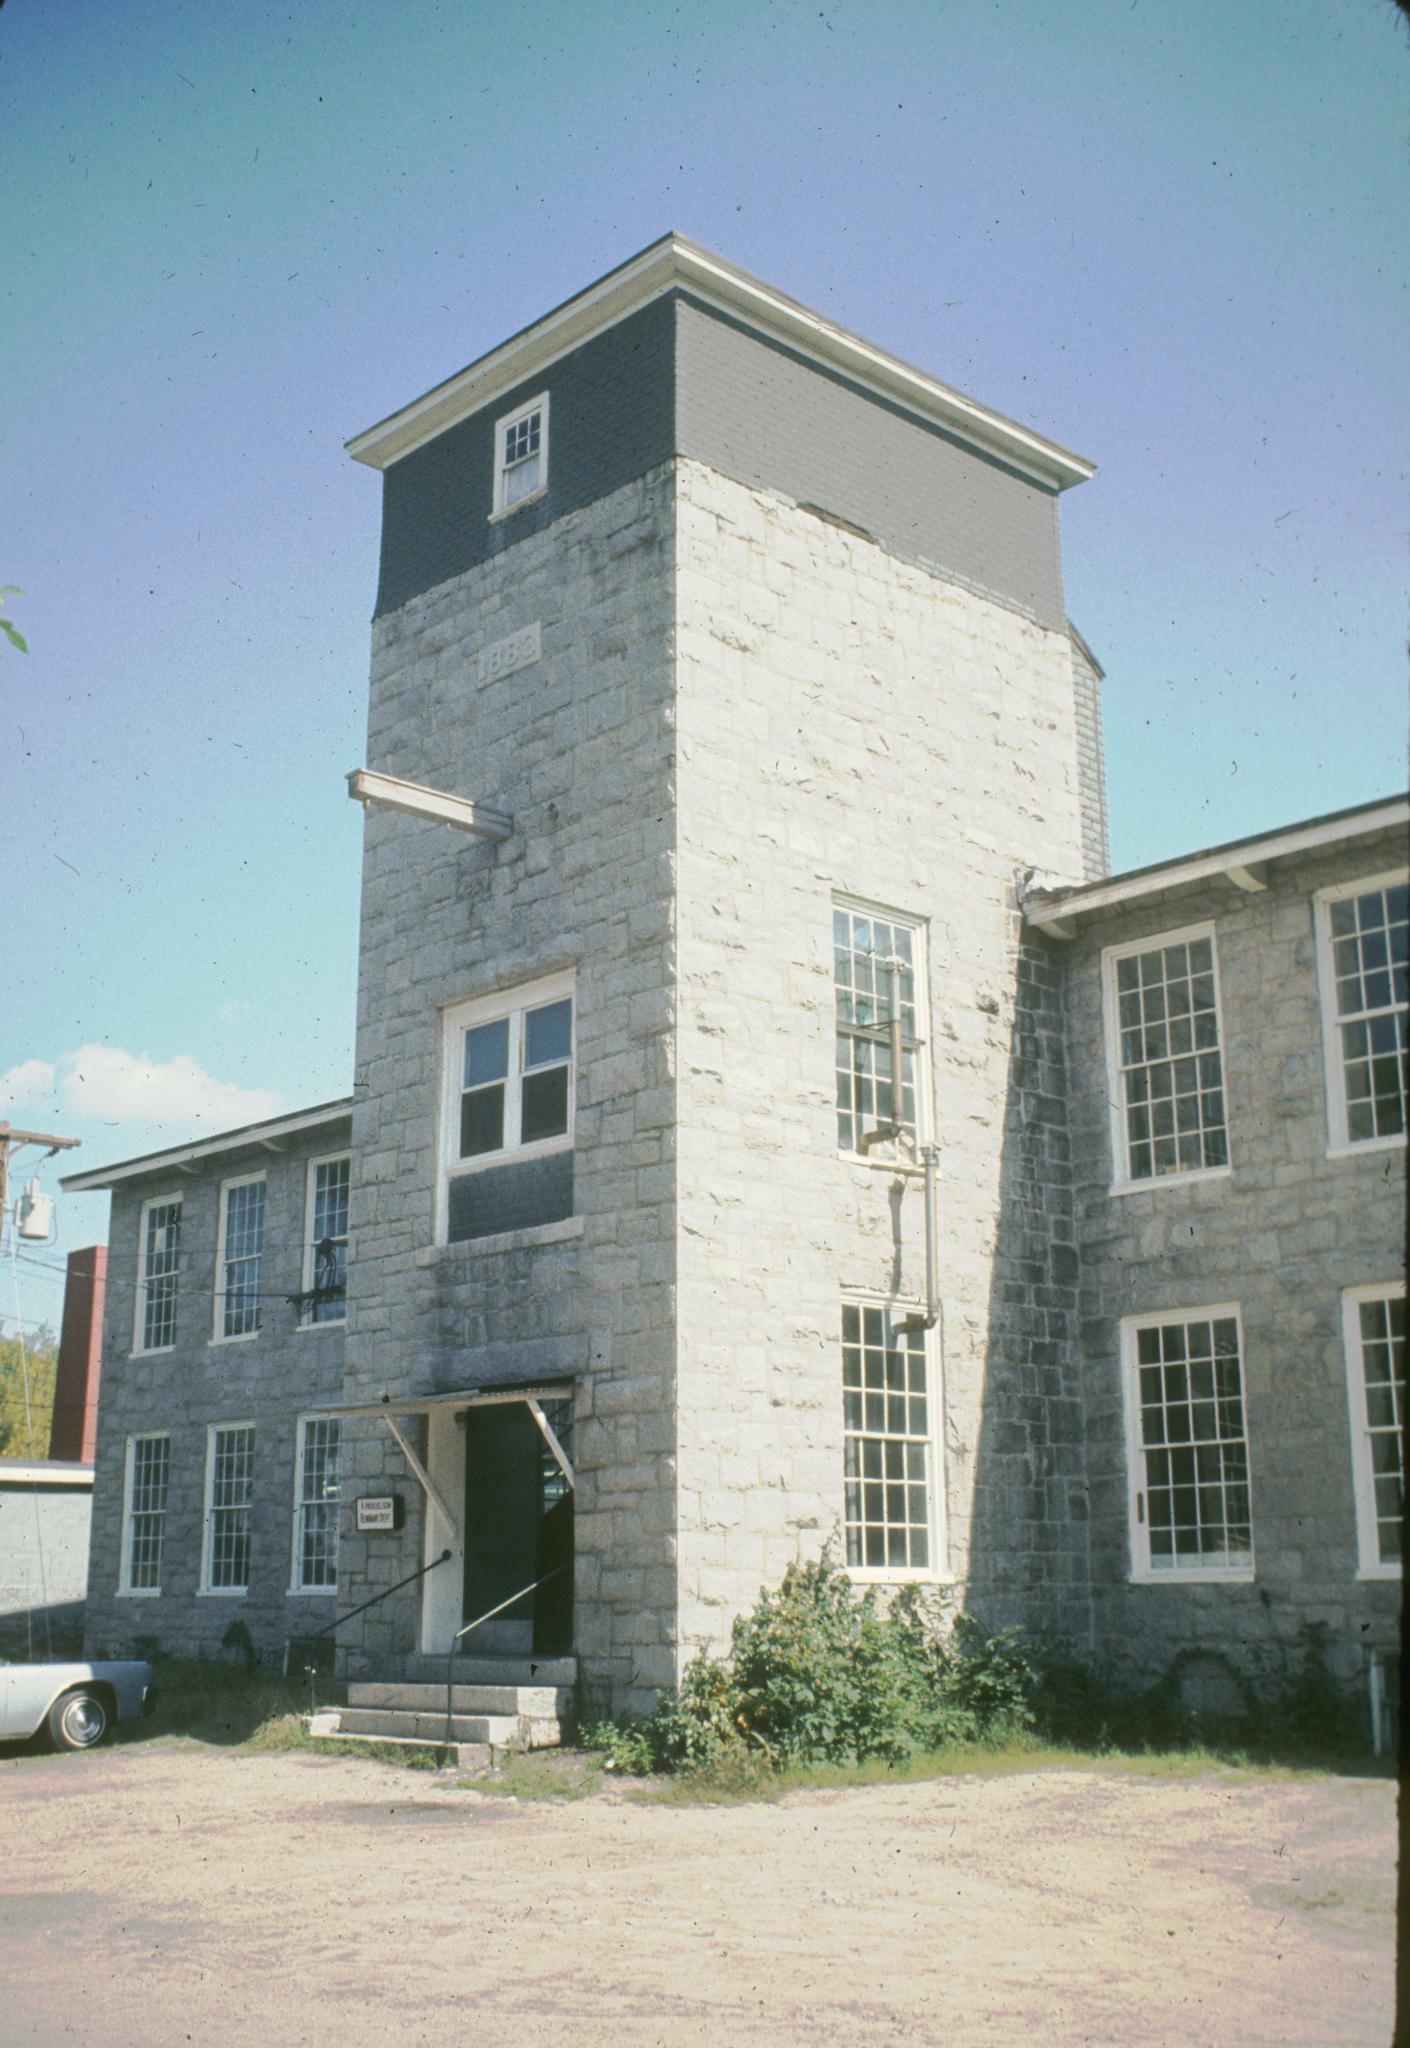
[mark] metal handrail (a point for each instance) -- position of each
(386, 1593)
(471, 1626)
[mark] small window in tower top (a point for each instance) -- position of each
(521, 455)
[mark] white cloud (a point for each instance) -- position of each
(117, 1087)
(25, 1083)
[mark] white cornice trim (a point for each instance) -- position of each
(248, 1135)
(1055, 910)
(672, 263)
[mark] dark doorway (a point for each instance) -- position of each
(518, 1528)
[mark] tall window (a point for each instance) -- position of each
(148, 1469)
(326, 1241)
(521, 454)
(1363, 931)
(887, 1444)
(316, 1504)
(240, 1260)
(230, 1466)
(864, 942)
(1375, 1367)
(159, 1268)
(1162, 1009)
(1190, 1511)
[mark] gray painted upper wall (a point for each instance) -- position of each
(611, 418)
(766, 416)
(679, 378)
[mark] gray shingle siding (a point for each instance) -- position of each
(764, 415)
(678, 378)
(611, 418)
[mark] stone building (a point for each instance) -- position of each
(730, 749)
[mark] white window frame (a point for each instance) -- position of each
(937, 1571)
(511, 1004)
(502, 430)
(307, 1320)
(1370, 1565)
(139, 1347)
(1339, 1144)
(125, 1585)
(206, 1589)
(1143, 1572)
(1122, 1180)
(297, 1585)
(219, 1334)
(888, 1154)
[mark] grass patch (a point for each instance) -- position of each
(544, 1774)
(225, 1707)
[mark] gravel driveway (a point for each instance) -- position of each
(166, 1892)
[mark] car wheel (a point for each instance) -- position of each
(79, 1720)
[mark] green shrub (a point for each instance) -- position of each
(628, 1746)
(818, 1674)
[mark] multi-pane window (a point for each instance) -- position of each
(160, 1268)
(521, 454)
(316, 1508)
(148, 1470)
(512, 1065)
(240, 1264)
(326, 1248)
(887, 1440)
(229, 1493)
(1365, 930)
(864, 944)
(1163, 1022)
(1375, 1363)
(1189, 1445)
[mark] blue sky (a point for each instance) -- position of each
(1173, 239)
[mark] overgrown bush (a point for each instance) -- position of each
(817, 1674)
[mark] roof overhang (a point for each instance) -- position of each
(1057, 911)
(267, 1136)
(550, 1388)
(676, 263)
(44, 1472)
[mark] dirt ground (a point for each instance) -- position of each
(166, 1892)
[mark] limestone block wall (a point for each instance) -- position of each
(577, 744)
(849, 723)
(1282, 1236)
(269, 1379)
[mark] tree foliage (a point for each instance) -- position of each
(41, 1351)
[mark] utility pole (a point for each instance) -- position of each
(12, 1140)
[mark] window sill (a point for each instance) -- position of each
(909, 1169)
(562, 1232)
(1193, 1176)
(139, 1592)
(330, 1323)
(1354, 1149)
(222, 1592)
(899, 1575)
(508, 511)
(1386, 1574)
(243, 1337)
(313, 1592)
(151, 1350)
(1213, 1576)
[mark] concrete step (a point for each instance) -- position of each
(556, 1671)
(468, 1756)
(542, 1702)
(500, 1731)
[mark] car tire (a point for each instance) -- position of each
(79, 1720)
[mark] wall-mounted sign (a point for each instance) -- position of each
(379, 1511)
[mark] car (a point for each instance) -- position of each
(79, 1703)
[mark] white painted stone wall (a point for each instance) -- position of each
(845, 723)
